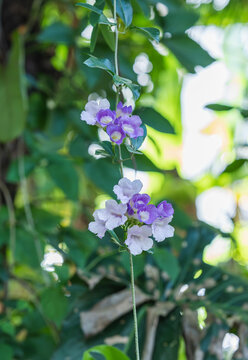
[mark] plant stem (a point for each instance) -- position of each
(122, 173)
(136, 335)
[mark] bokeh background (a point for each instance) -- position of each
(54, 171)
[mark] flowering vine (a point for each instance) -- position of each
(142, 222)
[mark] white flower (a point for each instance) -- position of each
(91, 109)
(138, 239)
(161, 230)
(98, 226)
(113, 214)
(126, 189)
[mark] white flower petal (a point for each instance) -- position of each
(161, 230)
(89, 118)
(126, 189)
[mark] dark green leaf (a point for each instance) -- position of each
(138, 263)
(64, 175)
(150, 32)
(108, 35)
(95, 170)
(54, 304)
(6, 352)
(29, 163)
(29, 249)
(167, 262)
(12, 93)
(93, 38)
(178, 21)
(219, 107)
(188, 52)
(57, 33)
(125, 11)
(154, 119)
(90, 7)
(235, 165)
(135, 90)
(104, 64)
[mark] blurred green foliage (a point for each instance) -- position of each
(50, 184)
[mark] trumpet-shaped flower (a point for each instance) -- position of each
(161, 229)
(165, 209)
(131, 126)
(115, 133)
(140, 200)
(123, 110)
(105, 117)
(92, 108)
(147, 214)
(113, 215)
(138, 239)
(126, 189)
(98, 226)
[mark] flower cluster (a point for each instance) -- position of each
(141, 219)
(118, 124)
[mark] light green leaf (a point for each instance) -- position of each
(150, 32)
(155, 120)
(104, 64)
(12, 93)
(109, 353)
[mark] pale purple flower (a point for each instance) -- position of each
(123, 110)
(165, 209)
(113, 214)
(115, 133)
(105, 117)
(126, 189)
(161, 229)
(131, 126)
(139, 200)
(147, 214)
(92, 108)
(138, 239)
(98, 226)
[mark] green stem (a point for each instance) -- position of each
(136, 335)
(122, 173)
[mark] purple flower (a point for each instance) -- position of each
(115, 133)
(126, 189)
(130, 210)
(147, 214)
(131, 126)
(138, 239)
(123, 110)
(105, 117)
(98, 226)
(140, 200)
(92, 108)
(165, 209)
(161, 229)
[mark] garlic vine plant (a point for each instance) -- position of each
(141, 221)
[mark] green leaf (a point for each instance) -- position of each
(64, 175)
(93, 38)
(30, 162)
(150, 32)
(28, 249)
(219, 107)
(188, 52)
(154, 119)
(118, 80)
(125, 11)
(6, 352)
(178, 21)
(54, 304)
(12, 93)
(108, 35)
(109, 353)
(57, 33)
(102, 19)
(235, 165)
(104, 64)
(97, 168)
(167, 262)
